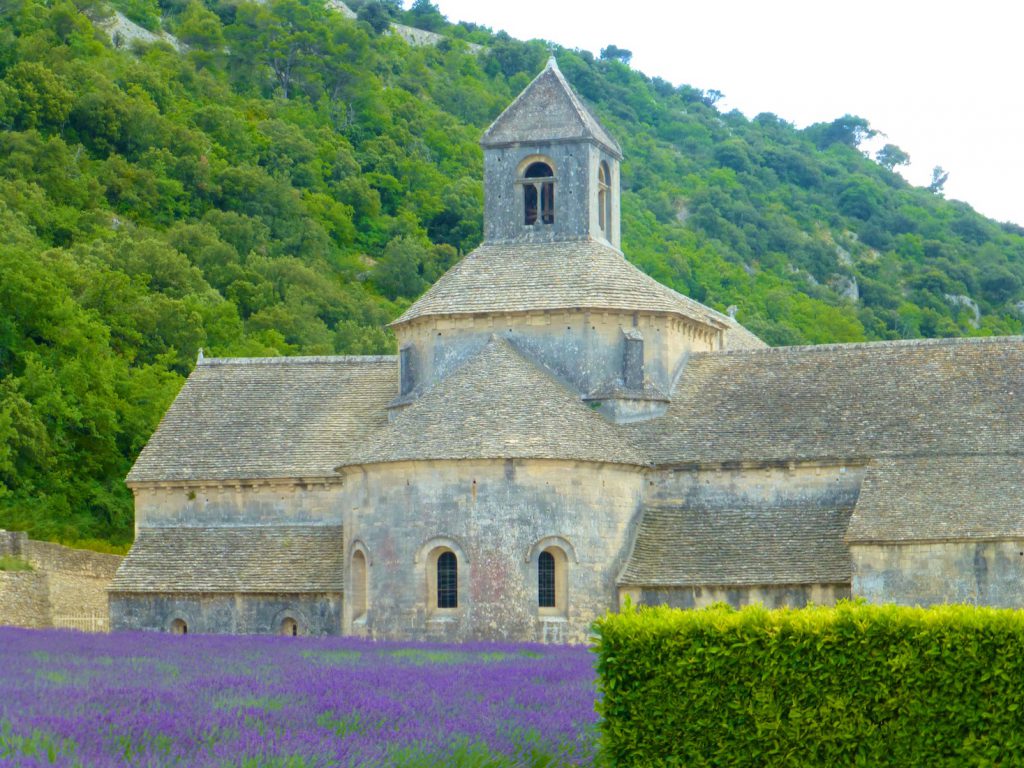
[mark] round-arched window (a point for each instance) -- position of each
(290, 627)
(546, 580)
(539, 194)
(447, 580)
(179, 627)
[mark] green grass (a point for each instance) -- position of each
(12, 563)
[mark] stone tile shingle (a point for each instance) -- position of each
(253, 559)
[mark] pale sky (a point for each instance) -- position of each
(941, 79)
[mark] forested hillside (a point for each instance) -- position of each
(292, 179)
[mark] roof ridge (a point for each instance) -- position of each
(888, 343)
(178, 526)
(298, 360)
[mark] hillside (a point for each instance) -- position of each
(292, 178)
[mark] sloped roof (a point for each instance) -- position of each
(937, 498)
(578, 274)
(498, 405)
(548, 110)
(286, 417)
(237, 559)
(848, 401)
(681, 546)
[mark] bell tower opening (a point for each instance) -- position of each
(604, 200)
(539, 194)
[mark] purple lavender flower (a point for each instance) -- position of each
(147, 700)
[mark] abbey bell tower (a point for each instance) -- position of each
(551, 172)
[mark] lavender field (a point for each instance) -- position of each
(137, 699)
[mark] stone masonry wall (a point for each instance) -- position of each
(976, 573)
(496, 516)
(66, 587)
(24, 599)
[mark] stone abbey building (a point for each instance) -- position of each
(559, 431)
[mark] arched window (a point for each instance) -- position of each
(604, 199)
(179, 627)
(290, 627)
(447, 580)
(358, 586)
(552, 581)
(539, 194)
(546, 580)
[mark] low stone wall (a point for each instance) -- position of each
(65, 588)
(24, 599)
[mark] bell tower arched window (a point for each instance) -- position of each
(604, 199)
(539, 194)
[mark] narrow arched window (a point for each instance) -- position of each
(447, 580)
(358, 587)
(179, 627)
(604, 199)
(546, 580)
(290, 627)
(539, 194)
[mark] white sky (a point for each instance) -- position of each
(941, 79)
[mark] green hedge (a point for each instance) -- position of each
(855, 684)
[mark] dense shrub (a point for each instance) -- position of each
(852, 685)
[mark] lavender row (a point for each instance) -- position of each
(139, 699)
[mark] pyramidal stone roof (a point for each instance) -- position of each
(262, 418)
(263, 558)
(569, 275)
(548, 110)
(498, 405)
(938, 498)
(679, 545)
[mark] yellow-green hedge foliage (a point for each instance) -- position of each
(856, 684)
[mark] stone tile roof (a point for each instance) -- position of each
(288, 417)
(679, 546)
(579, 274)
(848, 401)
(548, 110)
(498, 405)
(938, 498)
(237, 559)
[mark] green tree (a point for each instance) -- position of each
(890, 156)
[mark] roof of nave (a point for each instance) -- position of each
(265, 558)
(845, 401)
(567, 275)
(498, 405)
(691, 546)
(243, 418)
(548, 110)
(938, 498)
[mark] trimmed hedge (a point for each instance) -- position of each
(856, 684)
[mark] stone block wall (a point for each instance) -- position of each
(66, 587)
(496, 516)
(24, 599)
(931, 573)
(238, 614)
(768, 595)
